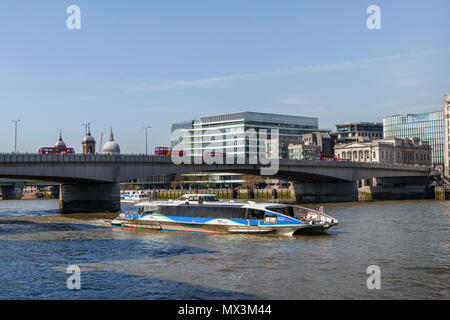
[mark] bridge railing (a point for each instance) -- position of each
(133, 158)
(355, 164)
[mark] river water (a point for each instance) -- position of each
(407, 240)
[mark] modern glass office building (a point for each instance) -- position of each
(447, 136)
(233, 129)
(426, 126)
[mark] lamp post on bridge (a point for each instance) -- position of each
(86, 127)
(15, 134)
(146, 149)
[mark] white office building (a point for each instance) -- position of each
(237, 134)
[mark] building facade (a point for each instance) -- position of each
(186, 126)
(239, 132)
(303, 151)
(388, 150)
(349, 132)
(425, 126)
(322, 140)
(279, 148)
(447, 136)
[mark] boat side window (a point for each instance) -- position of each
(255, 214)
(151, 209)
(200, 211)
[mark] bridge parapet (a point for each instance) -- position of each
(355, 164)
(131, 158)
(116, 168)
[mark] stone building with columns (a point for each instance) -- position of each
(410, 151)
(389, 150)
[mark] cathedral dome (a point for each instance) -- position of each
(60, 143)
(111, 147)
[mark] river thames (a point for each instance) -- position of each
(407, 240)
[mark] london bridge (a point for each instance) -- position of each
(92, 182)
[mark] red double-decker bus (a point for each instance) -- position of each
(166, 151)
(329, 157)
(326, 157)
(163, 151)
(56, 150)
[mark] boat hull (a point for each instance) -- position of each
(218, 228)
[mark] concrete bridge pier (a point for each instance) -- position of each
(397, 188)
(89, 197)
(323, 192)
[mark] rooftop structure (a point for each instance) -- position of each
(352, 131)
(111, 147)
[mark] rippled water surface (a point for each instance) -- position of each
(409, 241)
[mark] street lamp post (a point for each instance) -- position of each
(86, 127)
(146, 149)
(15, 134)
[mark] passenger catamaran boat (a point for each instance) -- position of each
(206, 214)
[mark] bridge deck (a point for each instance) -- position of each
(115, 168)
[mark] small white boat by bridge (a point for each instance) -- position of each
(133, 196)
(212, 216)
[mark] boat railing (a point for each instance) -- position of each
(313, 215)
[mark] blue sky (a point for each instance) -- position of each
(137, 63)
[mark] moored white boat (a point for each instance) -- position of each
(135, 195)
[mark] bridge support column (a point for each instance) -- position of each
(400, 188)
(325, 192)
(101, 197)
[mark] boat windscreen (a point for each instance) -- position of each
(210, 198)
(151, 209)
(286, 210)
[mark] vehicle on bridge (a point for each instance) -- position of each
(329, 157)
(166, 151)
(208, 215)
(56, 150)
